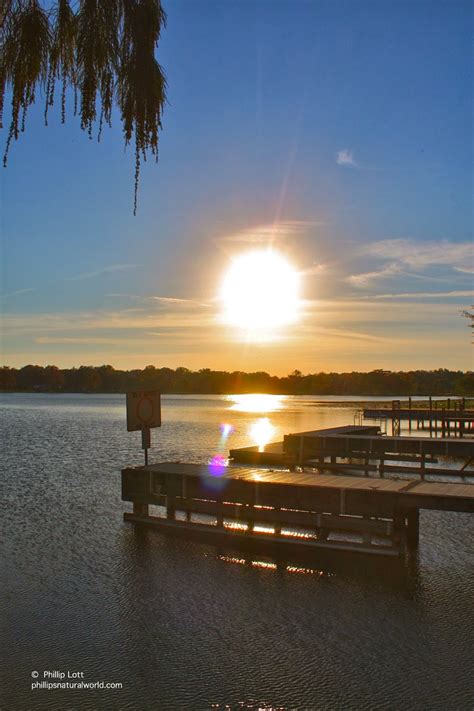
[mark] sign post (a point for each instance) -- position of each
(143, 413)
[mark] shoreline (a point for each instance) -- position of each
(354, 401)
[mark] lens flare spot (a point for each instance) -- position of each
(226, 430)
(218, 465)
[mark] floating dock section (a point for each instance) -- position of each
(275, 454)
(311, 449)
(288, 510)
(363, 450)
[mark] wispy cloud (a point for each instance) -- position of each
(428, 260)
(164, 300)
(16, 293)
(346, 157)
(267, 233)
(101, 272)
(363, 280)
(173, 301)
(418, 255)
(427, 295)
(315, 270)
(75, 323)
(345, 334)
(77, 340)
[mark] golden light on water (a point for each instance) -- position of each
(260, 292)
(262, 432)
(270, 565)
(256, 402)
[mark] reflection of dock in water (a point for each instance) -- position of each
(306, 509)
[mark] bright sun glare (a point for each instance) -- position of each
(260, 291)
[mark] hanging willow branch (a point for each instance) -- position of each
(62, 62)
(141, 85)
(104, 52)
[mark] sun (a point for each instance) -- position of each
(260, 292)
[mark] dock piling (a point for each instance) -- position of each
(413, 527)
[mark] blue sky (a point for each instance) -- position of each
(339, 131)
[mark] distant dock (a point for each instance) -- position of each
(446, 419)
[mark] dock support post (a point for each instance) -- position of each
(170, 507)
(277, 525)
(400, 531)
(250, 524)
(366, 535)
(140, 509)
(413, 528)
(396, 426)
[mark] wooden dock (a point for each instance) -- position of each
(274, 453)
(439, 421)
(304, 444)
(362, 450)
(288, 509)
(270, 455)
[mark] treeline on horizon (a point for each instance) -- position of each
(106, 379)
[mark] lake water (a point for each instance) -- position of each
(183, 625)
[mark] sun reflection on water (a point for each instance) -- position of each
(272, 565)
(262, 432)
(256, 402)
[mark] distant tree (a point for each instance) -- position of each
(88, 379)
(53, 378)
(30, 377)
(8, 378)
(205, 381)
(104, 51)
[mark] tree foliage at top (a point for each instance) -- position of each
(104, 50)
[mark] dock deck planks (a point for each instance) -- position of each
(320, 481)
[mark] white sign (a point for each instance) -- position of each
(143, 410)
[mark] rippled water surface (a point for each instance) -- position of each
(183, 625)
